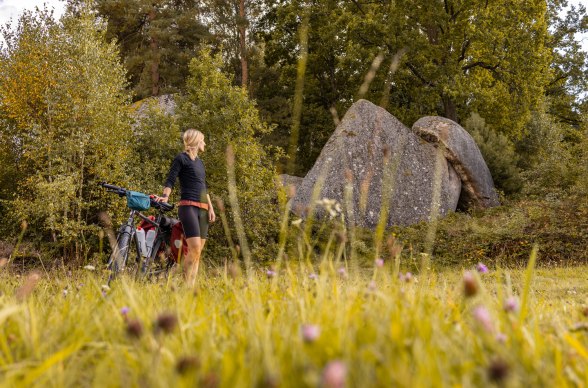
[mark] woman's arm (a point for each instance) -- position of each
(211, 215)
(165, 196)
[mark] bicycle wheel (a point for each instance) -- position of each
(119, 258)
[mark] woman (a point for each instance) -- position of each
(195, 208)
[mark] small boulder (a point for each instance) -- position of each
(372, 159)
(463, 154)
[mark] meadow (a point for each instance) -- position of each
(333, 324)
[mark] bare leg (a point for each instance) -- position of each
(192, 259)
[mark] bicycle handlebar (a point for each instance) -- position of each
(164, 206)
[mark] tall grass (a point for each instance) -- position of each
(250, 331)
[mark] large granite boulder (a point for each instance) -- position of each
(463, 154)
(379, 158)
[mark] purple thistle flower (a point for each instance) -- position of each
(511, 304)
(334, 374)
(481, 268)
(313, 276)
(470, 284)
(310, 333)
(501, 337)
(482, 316)
(125, 311)
(379, 263)
(342, 271)
(270, 273)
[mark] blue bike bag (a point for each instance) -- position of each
(138, 201)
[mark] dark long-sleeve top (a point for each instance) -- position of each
(192, 177)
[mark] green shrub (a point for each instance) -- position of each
(551, 157)
(226, 115)
(63, 97)
(498, 152)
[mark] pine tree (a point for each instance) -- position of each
(157, 39)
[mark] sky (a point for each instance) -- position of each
(13, 8)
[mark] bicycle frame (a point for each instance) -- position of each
(127, 233)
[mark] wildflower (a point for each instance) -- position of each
(481, 268)
(379, 263)
(334, 374)
(501, 337)
(210, 380)
(372, 285)
(511, 304)
(105, 287)
(407, 277)
(90, 267)
(134, 328)
(342, 272)
(313, 276)
(498, 370)
(64, 292)
(297, 222)
(470, 285)
(310, 333)
(270, 273)
(187, 364)
(166, 322)
(482, 316)
(28, 286)
(125, 311)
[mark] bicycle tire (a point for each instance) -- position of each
(120, 252)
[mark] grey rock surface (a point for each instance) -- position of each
(372, 159)
(463, 154)
(166, 102)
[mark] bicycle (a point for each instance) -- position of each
(157, 259)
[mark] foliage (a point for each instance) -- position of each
(63, 96)
(157, 39)
(506, 234)
(226, 116)
(156, 135)
(458, 58)
(498, 152)
(554, 155)
(61, 329)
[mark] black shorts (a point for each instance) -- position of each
(194, 220)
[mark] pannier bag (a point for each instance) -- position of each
(138, 201)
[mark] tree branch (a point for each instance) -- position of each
(417, 74)
(481, 64)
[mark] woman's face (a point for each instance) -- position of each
(201, 146)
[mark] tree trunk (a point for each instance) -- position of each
(154, 46)
(242, 31)
(450, 108)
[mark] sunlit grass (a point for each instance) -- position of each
(238, 331)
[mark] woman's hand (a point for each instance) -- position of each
(161, 199)
(211, 215)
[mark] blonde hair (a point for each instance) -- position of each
(192, 139)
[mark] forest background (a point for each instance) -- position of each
(273, 78)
